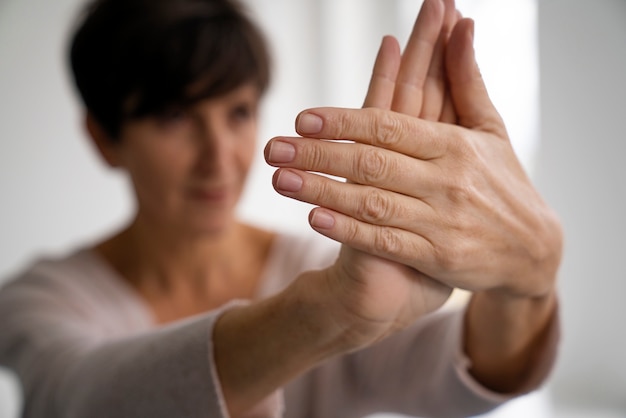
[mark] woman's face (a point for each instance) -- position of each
(188, 167)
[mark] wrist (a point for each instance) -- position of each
(318, 297)
(260, 347)
(506, 336)
(536, 278)
(312, 300)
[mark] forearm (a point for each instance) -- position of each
(262, 346)
(504, 337)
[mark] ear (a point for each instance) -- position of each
(101, 139)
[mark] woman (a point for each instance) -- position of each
(152, 321)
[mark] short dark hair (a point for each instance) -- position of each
(135, 58)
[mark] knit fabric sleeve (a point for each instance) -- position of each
(76, 360)
(421, 371)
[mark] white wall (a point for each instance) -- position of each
(582, 173)
(55, 194)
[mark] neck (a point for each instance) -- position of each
(145, 252)
(194, 272)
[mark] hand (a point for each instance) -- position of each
(386, 295)
(432, 200)
(362, 297)
(416, 82)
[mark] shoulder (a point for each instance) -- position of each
(75, 288)
(37, 303)
(50, 275)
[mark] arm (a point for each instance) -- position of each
(71, 363)
(303, 336)
(450, 202)
(420, 371)
(508, 339)
(506, 332)
(259, 347)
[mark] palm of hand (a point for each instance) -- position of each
(380, 296)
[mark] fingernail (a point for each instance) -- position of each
(322, 220)
(288, 181)
(309, 123)
(281, 152)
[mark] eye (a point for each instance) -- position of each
(242, 113)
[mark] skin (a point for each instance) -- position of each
(451, 202)
(481, 226)
(184, 252)
(435, 199)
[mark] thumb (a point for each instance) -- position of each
(469, 94)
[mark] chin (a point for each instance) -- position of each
(213, 226)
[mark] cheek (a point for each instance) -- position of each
(245, 154)
(159, 169)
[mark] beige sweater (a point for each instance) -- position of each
(84, 345)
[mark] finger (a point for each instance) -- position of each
(383, 81)
(368, 204)
(393, 244)
(435, 259)
(469, 94)
(448, 113)
(358, 163)
(435, 85)
(405, 134)
(408, 96)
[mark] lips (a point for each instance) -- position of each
(213, 194)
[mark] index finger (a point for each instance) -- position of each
(382, 128)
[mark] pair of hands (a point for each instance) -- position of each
(435, 197)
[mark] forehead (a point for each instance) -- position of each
(248, 92)
(247, 95)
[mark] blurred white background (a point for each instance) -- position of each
(56, 195)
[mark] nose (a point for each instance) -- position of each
(213, 144)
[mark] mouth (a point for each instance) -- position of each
(209, 195)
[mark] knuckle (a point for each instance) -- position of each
(344, 125)
(322, 191)
(371, 166)
(460, 193)
(387, 241)
(459, 147)
(351, 232)
(456, 139)
(388, 131)
(463, 148)
(316, 157)
(374, 208)
(460, 186)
